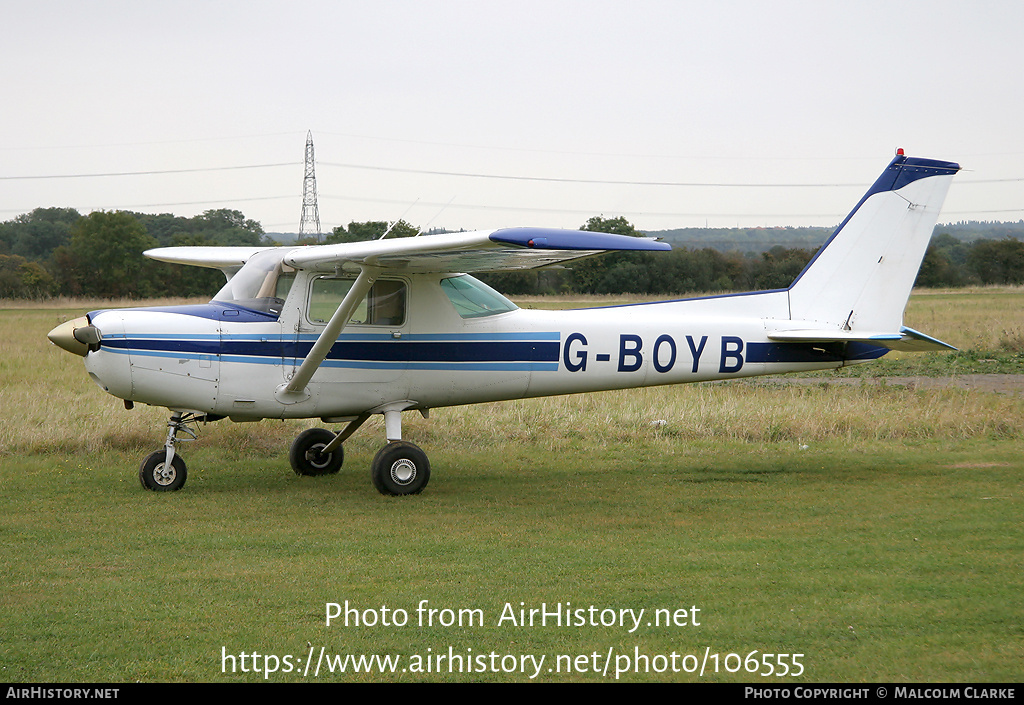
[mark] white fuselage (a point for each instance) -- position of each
(346, 330)
(230, 361)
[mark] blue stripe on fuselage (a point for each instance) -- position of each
(812, 352)
(342, 353)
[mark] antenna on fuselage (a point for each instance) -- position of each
(392, 226)
(431, 221)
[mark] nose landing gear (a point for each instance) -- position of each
(163, 470)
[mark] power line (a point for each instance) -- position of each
(749, 157)
(617, 182)
(216, 202)
(579, 211)
(146, 143)
(146, 173)
(556, 179)
(472, 175)
(219, 201)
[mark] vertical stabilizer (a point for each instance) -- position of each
(862, 277)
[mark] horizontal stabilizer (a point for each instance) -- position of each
(907, 339)
(915, 341)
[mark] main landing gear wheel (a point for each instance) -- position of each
(306, 456)
(400, 468)
(155, 475)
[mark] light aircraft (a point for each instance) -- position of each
(342, 332)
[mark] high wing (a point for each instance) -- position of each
(227, 259)
(481, 251)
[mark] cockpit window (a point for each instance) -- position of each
(474, 299)
(383, 306)
(262, 284)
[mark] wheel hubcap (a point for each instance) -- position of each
(403, 471)
(164, 474)
(318, 459)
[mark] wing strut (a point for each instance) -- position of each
(294, 390)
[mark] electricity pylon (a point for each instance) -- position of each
(309, 223)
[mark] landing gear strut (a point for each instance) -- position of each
(400, 467)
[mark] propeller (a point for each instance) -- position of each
(77, 336)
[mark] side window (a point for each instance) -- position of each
(383, 306)
(284, 285)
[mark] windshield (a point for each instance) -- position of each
(474, 299)
(262, 284)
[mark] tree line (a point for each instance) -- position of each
(948, 262)
(58, 251)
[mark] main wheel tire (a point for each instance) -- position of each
(154, 476)
(305, 455)
(400, 468)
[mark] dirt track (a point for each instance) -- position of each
(1004, 384)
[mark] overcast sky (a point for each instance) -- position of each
(491, 113)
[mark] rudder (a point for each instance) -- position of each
(861, 278)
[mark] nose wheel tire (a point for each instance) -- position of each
(400, 468)
(155, 475)
(306, 456)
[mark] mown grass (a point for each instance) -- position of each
(875, 529)
(888, 561)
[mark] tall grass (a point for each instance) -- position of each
(736, 411)
(50, 406)
(976, 318)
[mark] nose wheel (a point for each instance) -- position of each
(158, 475)
(164, 470)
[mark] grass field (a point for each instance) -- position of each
(873, 529)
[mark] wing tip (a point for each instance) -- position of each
(557, 239)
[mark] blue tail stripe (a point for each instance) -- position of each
(901, 171)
